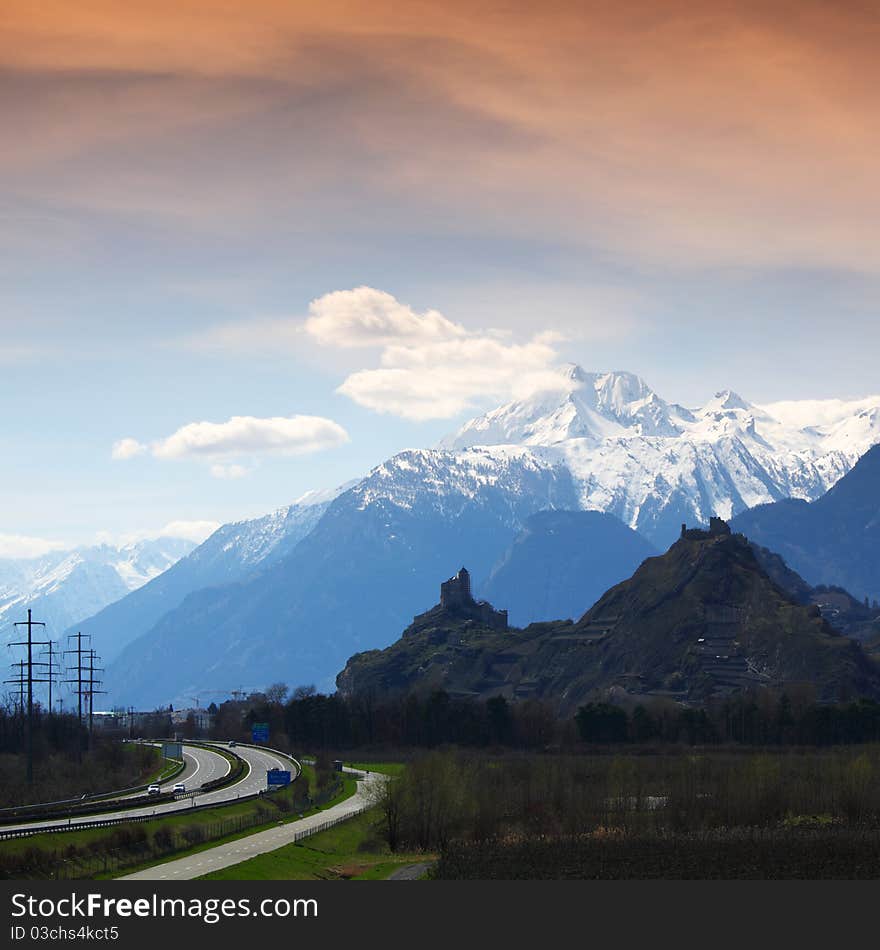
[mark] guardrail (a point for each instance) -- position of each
(43, 813)
(110, 822)
(16, 811)
(140, 801)
(231, 776)
(265, 748)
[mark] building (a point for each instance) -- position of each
(456, 592)
(456, 595)
(718, 528)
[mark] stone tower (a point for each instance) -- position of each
(456, 592)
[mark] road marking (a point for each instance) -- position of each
(198, 765)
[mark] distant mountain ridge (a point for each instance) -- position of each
(834, 540)
(561, 563)
(65, 586)
(231, 553)
(654, 464)
(355, 578)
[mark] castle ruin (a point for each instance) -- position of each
(456, 596)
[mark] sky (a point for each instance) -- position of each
(252, 249)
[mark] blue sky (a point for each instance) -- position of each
(172, 209)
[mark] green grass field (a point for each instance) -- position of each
(99, 852)
(230, 811)
(353, 850)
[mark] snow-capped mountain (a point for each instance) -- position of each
(375, 557)
(231, 553)
(63, 587)
(655, 464)
(292, 595)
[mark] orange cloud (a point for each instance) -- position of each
(715, 133)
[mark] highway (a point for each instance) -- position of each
(200, 766)
(234, 852)
(203, 765)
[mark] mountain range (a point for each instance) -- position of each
(561, 563)
(293, 595)
(362, 572)
(656, 464)
(230, 554)
(62, 587)
(834, 540)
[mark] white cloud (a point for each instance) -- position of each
(126, 449)
(196, 531)
(369, 317)
(22, 546)
(430, 368)
(293, 435)
(229, 471)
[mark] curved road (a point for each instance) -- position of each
(234, 852)
(205, 765)
(200, 766)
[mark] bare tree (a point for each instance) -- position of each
(277, 693)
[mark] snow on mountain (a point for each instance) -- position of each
(293, 594)
(63, 587)
(233, 552)
(655, 464)
(373, 560)
(245, 545)
(444, 483)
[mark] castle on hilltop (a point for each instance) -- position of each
(455, 595)
(718, 528)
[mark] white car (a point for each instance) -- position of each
(153, 789)
(178, 787)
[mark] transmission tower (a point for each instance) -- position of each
(76, 672)
(20, 681)
(52, 667)
(30, 643)
(93, 683)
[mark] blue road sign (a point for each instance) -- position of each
(277, 777)
(260, 732)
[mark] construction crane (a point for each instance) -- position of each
(235, 694)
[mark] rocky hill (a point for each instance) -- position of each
(702, 620)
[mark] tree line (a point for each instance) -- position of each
(462, 795)
(312, 720)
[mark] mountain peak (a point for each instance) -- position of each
(727, 399)
(574, 372)
(591, 406)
